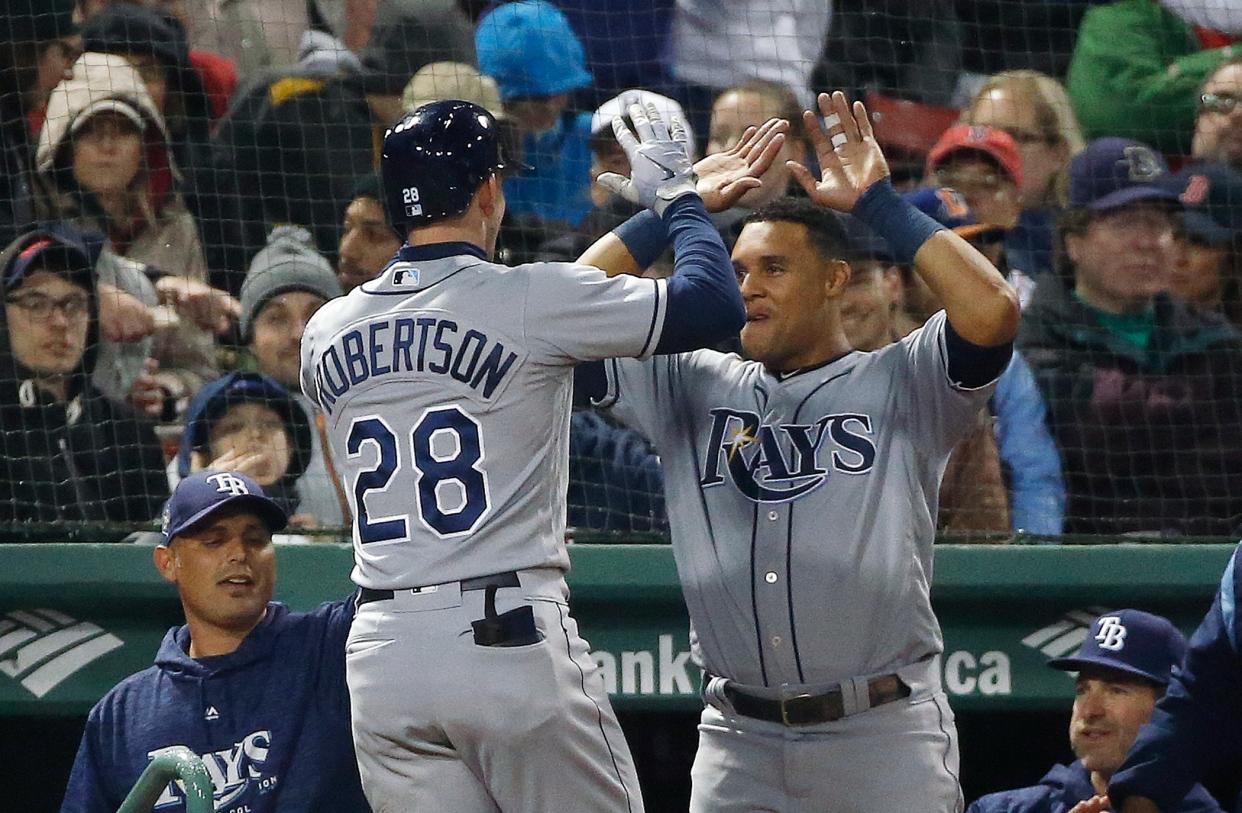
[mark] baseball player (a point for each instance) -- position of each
(1194, 729)
(802, 484)
(446, 383)
(1123, 667)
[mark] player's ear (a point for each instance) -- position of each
(163, 558)
(489, 195)
(837, 278)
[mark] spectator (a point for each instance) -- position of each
(884, 303)
(255, 689)
(336, 122)
(1134, 73)
(66, 452)
(37, 48)
(1035, 111)
(537, 62)
(1123, 667)
(368, 241)
(714, 46)
(1208, 271)
(105, 161)
(1218, 120)
(249, 423)
(288, 281)
(1143, 392)
(750, 105)
(157, 49)
(983, 163)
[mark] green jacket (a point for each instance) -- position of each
(1135, 73)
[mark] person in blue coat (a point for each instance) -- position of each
(256, 690)
(1123, 666)
(1194, 729)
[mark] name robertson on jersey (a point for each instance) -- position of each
(782, 462)
(411, 344)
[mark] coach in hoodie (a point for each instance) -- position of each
(67, 453)
(1124, 666)
(256, 690)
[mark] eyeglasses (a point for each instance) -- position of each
(989, 182)
(41, 306)
(1223, 103)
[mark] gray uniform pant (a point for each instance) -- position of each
(900, 756)
(443, 724)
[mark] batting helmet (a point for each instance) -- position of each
(435, 158)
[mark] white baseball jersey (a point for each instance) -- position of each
(803, 507)
(446, 384)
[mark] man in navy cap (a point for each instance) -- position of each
(256, 690)
(1123, 667)
(1143, 395)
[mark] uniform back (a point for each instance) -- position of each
(446, 384)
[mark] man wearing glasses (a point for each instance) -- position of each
(66, 452)
(1218, 123)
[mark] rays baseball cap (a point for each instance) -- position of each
(1114, 172)
(996, 144)
(1129, 641)
(203, 493)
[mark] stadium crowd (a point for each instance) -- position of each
(183, 187)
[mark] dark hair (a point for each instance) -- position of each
(823, 226)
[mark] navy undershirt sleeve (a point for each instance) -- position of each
(704, 301)
(972, 365)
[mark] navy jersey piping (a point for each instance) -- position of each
(655, 311)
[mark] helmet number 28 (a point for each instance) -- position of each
(451, 490)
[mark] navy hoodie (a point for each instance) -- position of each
(270, 720)
(1197, 726)
(1065, 786)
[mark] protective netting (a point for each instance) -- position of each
(186, 181)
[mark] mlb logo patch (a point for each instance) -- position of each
(406, 276)
(414, 210)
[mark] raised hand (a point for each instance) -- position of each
(850, 160)
(660, 169)
(725, 176)
(209, 308)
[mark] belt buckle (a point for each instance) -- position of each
(786, 701)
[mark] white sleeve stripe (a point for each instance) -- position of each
(657, 319)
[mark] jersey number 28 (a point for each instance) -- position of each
(451, 490)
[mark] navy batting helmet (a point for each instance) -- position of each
(435, 158)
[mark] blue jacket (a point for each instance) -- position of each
(557, 188)
(1032, 462)
(1065, 786)
(1197, 726)
(271, 721)
(615, 479)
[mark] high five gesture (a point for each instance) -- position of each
(850, 160)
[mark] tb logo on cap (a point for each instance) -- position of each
(226, 483)
(1111, 634)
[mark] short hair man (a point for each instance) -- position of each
(1218, 117)
(255, 689)
(1142, 392)
(1124, 666)
(809, 463)
(368, 242)
(287, 283)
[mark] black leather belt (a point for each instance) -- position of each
(366, 594)
(811, 709)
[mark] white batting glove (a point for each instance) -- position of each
(660, 166)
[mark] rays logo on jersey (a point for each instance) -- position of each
(782, 462)
(233, 771)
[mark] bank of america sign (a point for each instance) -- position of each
(41, 648)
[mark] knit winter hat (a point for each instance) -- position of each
(289, 262)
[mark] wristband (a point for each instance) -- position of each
(904, 227)
(645, 236)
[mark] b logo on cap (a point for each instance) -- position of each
(1111, 634)
(1143, 163)
(228, 484)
